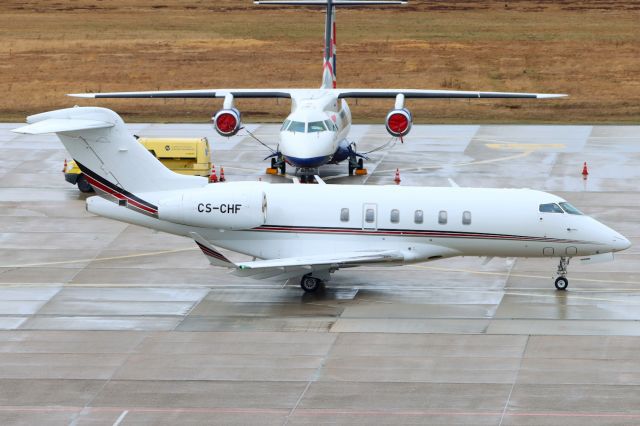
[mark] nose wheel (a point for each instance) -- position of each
(310, 284)
(562, 282)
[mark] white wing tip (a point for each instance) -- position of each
(82, 95)
(551, 95)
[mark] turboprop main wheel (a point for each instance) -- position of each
(310, 284)
(562, 283)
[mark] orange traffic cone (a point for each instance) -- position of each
(585, 171)
(64, 167)
(222, 179)
(397, 178)
(213, 178)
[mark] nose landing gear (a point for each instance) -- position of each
(562, 282)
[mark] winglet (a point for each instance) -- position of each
(215, 258)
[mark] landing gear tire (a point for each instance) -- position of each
(562, 283)
(351, 168)
(283, 168)
(310, 284)
(83, 185)
(360, 164)
(273, 163)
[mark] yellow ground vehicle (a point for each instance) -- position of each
(189, 156)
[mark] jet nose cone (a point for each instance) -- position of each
(621, 243)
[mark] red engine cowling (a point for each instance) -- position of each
(227, 121)
(399, 122)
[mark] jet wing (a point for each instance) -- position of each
(205, 93)
(440, 94)
(300, 265)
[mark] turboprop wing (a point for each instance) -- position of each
(339, 93)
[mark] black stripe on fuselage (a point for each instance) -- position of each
(414, 232)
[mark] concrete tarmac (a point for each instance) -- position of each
(103, 323)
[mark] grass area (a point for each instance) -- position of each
(588, 49)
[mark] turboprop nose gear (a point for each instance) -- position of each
(562, 282)
(356, 161)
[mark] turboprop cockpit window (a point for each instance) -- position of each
(316, 126)
(296, 126)
(330, 125)
(285, 125)
(570, 209)
(550, 208)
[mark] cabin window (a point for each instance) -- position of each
(369, 216)
(395, 216)
(466, 218)
(316, 126)
(418, 216)
(442, 217)
(570, 209)
(550, 208)
(285, 125)
(296, 126)
(344, 215)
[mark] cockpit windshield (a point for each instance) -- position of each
(550, 208)
(316, 126)
(570, 209)
(296, 126)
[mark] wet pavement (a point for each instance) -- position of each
(107, 323)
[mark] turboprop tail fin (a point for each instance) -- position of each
(114, 163)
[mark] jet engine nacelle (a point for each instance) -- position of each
(226, 206)
(227, 121)
(398, 122)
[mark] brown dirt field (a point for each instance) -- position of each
(588, 49)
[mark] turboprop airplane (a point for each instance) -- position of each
(327, 227)
(316, 131)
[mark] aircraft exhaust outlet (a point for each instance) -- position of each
(227, 122)
(398, 122)
(225, 207)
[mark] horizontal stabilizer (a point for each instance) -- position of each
(333, 3)
(55, 125)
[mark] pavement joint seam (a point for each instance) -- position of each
(515, 381)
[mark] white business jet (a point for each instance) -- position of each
(328, 227)
(316, 131)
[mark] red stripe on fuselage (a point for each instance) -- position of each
(119, 195)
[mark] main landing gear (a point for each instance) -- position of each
(311, 284)
(562, 282)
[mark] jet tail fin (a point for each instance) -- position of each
(329, 63)
(107, 153)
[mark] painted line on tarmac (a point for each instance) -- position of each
(98, 259)
(318, 412)
(470, 163)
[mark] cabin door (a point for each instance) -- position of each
(370, 216)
